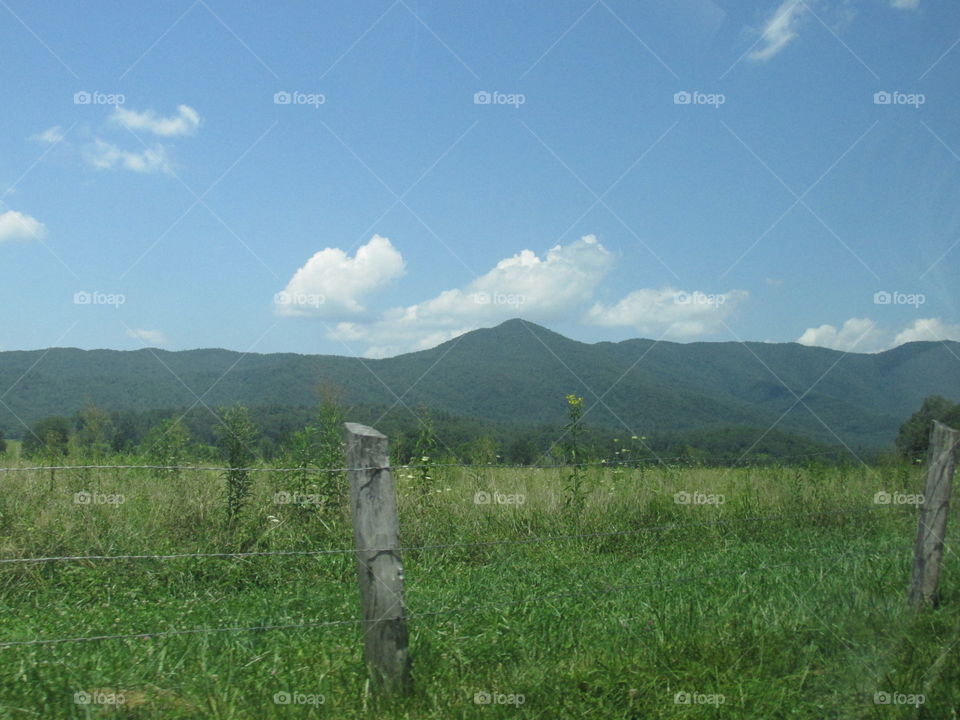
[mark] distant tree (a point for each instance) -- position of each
(914, 436)
(167, 445)
(48, 438)
(3, 443)
(94, 430)
(522, 450)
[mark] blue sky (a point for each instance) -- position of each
(373, 178)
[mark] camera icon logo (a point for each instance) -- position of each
(481, 498)
(482, 698)
(82, 298)
(282, 698)
(882, 498)
(82, 498)
(482, 98)
(882, 297)
(82, 97)
(681, 498)
(282, 98)
(81, 697)
(882, 97)
(682, 98)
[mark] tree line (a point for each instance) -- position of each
(284, 434)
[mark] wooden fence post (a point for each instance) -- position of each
(376, 537)
(942, 460)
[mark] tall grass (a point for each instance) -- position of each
(782, 592)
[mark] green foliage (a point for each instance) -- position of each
(575, 486)
(508, 375)
(167, 444)
(3, 443)
(48, 438)
(425, 452)
(95, 431)
(316, 452)
(914, 437)
(237, 437)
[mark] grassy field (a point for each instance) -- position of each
(700, 610)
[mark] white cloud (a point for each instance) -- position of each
(856, 335)
(51, 135)
(148, 337)
(779, 30)
(106, 156)
(331, 283)
(536, 288)
(927, 329)
(185, 122)
(905, 4)
(17, 226)
(669, 313)
(864, 335)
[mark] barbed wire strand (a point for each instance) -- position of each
(413, 548)
(605, 589)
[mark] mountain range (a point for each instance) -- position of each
(519, 373)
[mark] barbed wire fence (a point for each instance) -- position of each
(377, 470)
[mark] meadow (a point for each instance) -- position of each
(757, 592)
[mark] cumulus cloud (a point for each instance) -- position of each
(779, 30)
(51, 135)
(856, 335)
(864, 335)
(669, 313)
(558, 284)
(927, 329)
(905, 4)
(148, 337)
(331, 283)
(525, 284)
(17, 226)
(185, 122)
(107, 156)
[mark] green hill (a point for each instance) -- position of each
(519, 373)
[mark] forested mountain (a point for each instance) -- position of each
(518, 373)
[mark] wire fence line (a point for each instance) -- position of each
(605, 589)
(626, 463)
(416, 548)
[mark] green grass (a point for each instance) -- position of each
(798, 617)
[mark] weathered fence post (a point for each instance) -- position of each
(942, 460)
(376, 537)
